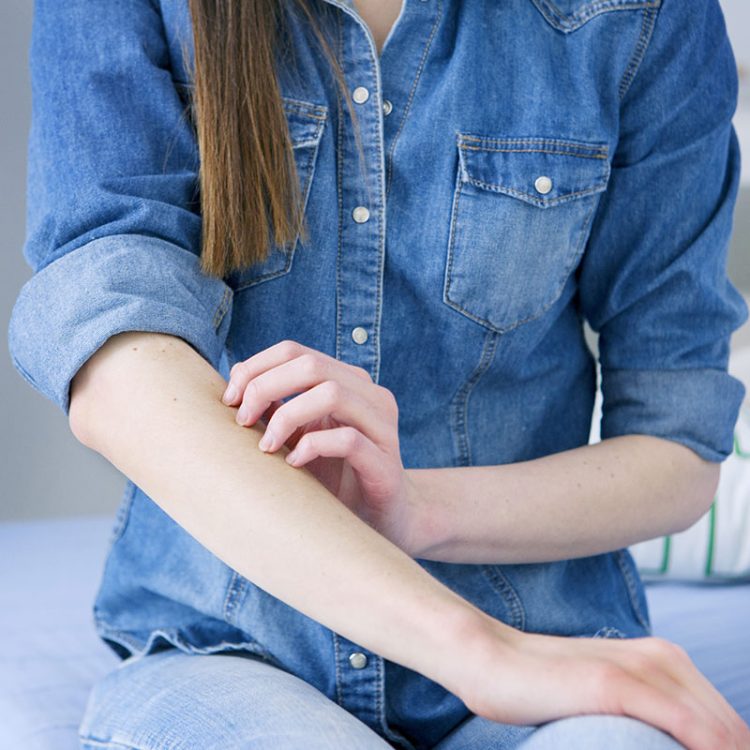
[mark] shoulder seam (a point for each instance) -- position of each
(647, 28)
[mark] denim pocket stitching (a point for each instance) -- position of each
(464, 177)
(306, 169)
(567, 22)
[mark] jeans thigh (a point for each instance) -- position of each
(596, 731)
(173, 700)
(589, 732)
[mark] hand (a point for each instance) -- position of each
(342, 427)
(528, 678)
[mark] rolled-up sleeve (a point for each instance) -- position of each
(653, 280)
(113, 222)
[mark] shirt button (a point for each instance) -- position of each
(361, 214)
(358, 660)
(387, 107)
(359, 335)
(360, 95)
(543, 184)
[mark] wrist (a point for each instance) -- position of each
(428, 525)
(472, 646)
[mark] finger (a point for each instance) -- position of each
(271, 410)
(243, 372)
(678, 664)
(667, 667)
(341, 442)
(299, 375)
(329, 399)
(696, 729)
(686, 690)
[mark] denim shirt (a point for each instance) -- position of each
(529, 165)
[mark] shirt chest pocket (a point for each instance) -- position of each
(521, 213)
(306, 122)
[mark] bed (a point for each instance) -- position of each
(51, 654)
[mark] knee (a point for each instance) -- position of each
(227, 702)
(595, 731)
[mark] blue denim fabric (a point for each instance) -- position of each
(471, 276)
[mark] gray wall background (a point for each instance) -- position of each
(46, 471)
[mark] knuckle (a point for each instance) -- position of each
(389, 398)
(278, 423)
(351, 438)
(641, 663)
(661, 648)
(238, 370)
(254, 389)
(290, 348)
(310, 364)
(363, 373)
(332, 392)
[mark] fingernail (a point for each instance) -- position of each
(292, 457)
(242, 413)
(230, 394)
(266, 441)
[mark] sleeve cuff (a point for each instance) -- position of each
(127, 282)
(695, 407)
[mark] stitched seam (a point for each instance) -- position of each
(387, 731)
(575, 20)
(543, 202)
(632, 588)
(381, 240)
(483, 321)
(500, 583)
(315, 111)
(221, 310)
(110, 744)
(534, 140)
(647, 26)
(340, 191)
(407, 107)
(532, 151)
(307, 169)
(336, 658)
(237, 587)
(459, 403)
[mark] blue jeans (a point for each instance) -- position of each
(181, 701)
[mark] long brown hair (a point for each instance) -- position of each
(248, 179)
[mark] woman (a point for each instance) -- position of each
(476, 180)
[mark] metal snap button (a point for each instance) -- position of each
(360, 95)
(361, 214)
(387, 107)
(358, 660)
(359, 335)
(543, 184)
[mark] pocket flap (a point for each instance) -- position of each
(538, 170)
(305, 121)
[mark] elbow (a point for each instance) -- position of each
(700, 484)
(78, 411)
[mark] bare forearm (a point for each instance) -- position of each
(153, 409)
(575, 503)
